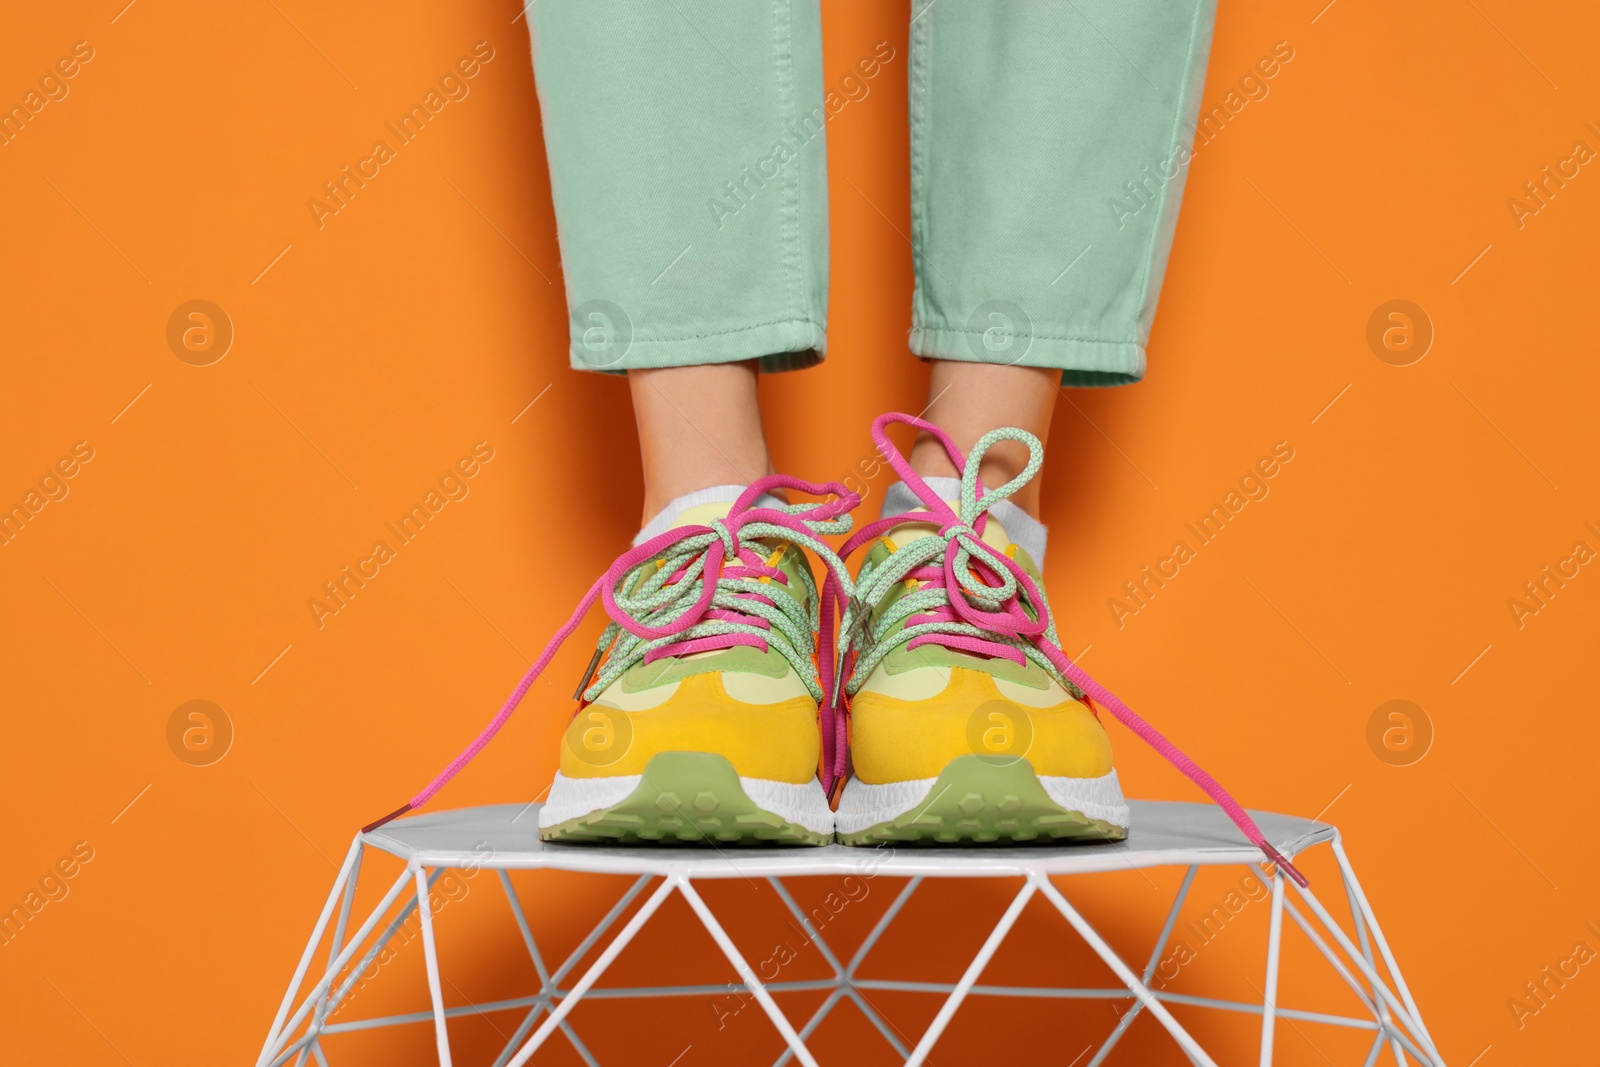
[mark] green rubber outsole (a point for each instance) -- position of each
(979, 800)
(685, 798)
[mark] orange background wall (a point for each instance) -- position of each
(372, 353)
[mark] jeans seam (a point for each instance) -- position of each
(1168, 199)
(794, 320)
(789, 228)
(917, 95)
(1034, 334)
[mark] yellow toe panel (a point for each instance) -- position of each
(893, 740)
(776, 741)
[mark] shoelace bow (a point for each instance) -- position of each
(974, 599)
(707, 592)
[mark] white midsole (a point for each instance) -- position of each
(863, 806)
(804, 804)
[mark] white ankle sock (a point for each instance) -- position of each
(667, 517)
(1025, 530)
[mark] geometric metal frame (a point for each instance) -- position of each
(1165, 834)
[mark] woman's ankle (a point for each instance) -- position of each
(967, 400)
(698, 427)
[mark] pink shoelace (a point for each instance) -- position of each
(991, 607)
(697, 605)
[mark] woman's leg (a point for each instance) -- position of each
(688, 170)
(967, 400)
(1049, 146)
(698, 427)
(1026, 119)
(685, 142)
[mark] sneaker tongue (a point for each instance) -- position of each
(702, 514)
(903, 533)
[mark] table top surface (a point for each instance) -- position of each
(1163, 833)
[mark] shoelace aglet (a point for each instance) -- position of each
(395, 814)
(858, 637)
(1285, 866)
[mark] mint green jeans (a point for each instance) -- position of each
(1049, 144)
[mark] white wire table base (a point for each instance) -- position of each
(504, 839)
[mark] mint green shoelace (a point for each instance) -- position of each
(874, 637)
(650, 596)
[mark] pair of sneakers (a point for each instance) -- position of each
(925, 698)
(714, 710)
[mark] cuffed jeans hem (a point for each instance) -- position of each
(1081, 362)
(791, 344)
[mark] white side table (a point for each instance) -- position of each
(505, 838)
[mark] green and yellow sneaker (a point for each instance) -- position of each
(961, 728)
(706, 731)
